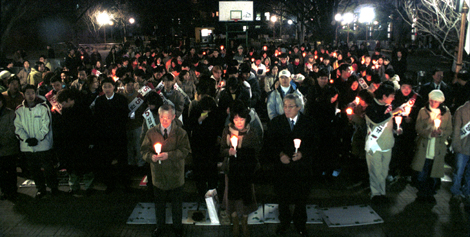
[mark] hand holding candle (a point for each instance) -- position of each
(158, 150)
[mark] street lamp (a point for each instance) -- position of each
(347, 19)
(103, 19)
(366, 15)
(131, 20)
(273, 20)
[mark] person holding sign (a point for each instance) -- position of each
(167, 167)
(434, 126)
(379, 139)
(461, 146)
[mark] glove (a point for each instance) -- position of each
(32, 141)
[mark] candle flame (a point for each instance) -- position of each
(297, 143)
(234, 141)
(349, 111)
(398, 120)
(357, 100)
(158, 148)
(437, 123)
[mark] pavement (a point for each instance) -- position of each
(106, 214)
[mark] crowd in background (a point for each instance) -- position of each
(97, 117)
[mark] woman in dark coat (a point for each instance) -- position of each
(240, 165)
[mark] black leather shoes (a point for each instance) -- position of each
(157, 232)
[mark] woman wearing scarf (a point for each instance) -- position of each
(431, 147)
(240, 165)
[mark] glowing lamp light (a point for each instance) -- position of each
(331, 81)
(158, 150)
(349, 111)
(437, 123)
(265, 48)
(297, 144)
(131, 20)
(398, 120)
(221, 47)
(204, 53)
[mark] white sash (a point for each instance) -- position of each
(465, 130)
(149, 119)
(373, 136)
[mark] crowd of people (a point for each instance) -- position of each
(155, 107)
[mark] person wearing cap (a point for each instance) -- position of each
(403, 150)
(461, 144)
(4, 76)
(434, 126)
(275, 98)
(437, 83)
(239, 56)
(35, 77)
(284, 63)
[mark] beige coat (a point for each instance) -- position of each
(424, 127)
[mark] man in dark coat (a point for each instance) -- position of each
(111, 115)
(292, 166)
(76, 136)
(437, 83)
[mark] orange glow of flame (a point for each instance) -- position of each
(221, 47)
(357, 100)
(398, 120)
(374, 61)
(334, 55)
(437, 123)
(204, 53)
(321, 59)
(252, 59)
(332, 81)
(304, 54)
(115, 78)
(265, 48)
(363, 60)
(349, 111)
(297, 143)
(234, 141)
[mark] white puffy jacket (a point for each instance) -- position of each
(34, 122)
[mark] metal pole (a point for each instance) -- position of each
(463, 22)
(347, 41)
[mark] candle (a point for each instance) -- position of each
(234, 141)
(158, 150)
(349, 111)
(407, 110)
(297, 144)
(398, 120)
(357, 100)
(437, 123)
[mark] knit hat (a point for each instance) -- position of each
(437, 95)
(5, 75)
(284, 73)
